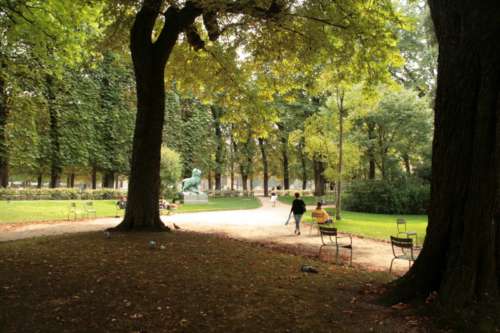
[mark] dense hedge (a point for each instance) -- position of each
(384, 197)
(61, 193)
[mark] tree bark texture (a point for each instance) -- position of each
(319, 178)
(149, 64)
(461, 255)
(39, 184)
(109, 179)
(72, 180)
(4, 113)
(94, 178)
(265, 170)
(338, 204)
(219, 153)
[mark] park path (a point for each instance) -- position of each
(264, 225)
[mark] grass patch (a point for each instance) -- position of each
(308, 200)
(47, 210)
(199, 283)
(377, 226)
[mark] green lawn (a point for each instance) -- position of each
(378, 226)
(47, 210)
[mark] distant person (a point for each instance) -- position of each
(298, 207)
(274, 196)
(122, 203)
(84, 187)
(167, 205)
(279, 187)
(326, 218)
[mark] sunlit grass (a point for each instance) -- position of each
(378, 226)
(48, 210)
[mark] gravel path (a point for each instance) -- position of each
(264, 225)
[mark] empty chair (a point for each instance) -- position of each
(402, 244)
(401, 223)
(88, 208)
(72, 210)
(332, 232)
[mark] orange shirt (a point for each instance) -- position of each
(319, 219)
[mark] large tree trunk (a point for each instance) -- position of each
(4, 113)
(461, 256)
(108, 179)
(219, 153)
(372, 169)
(39, 185)
(94, 178)
(72, 181)
(319, 179)
(265, 167)
(149, 60)
(56, 169)
(338, 203)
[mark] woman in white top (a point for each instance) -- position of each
(274, 196)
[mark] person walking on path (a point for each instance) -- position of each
(298, 209)
(273, 197)
(326, 218)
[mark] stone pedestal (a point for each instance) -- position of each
(190, 199)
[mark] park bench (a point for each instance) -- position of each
(402, 244)
(327, 234)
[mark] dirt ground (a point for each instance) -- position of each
(264, 225)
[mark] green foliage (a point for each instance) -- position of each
(395, 131)
(170, 171)
(383, 197)
(187, 130)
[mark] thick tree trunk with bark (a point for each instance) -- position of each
(108, 179)
(4, 112)
(72, 180)
(219, 153)
(265, 170)
(372, 169)
(39, 184)
(149, 63)
(461, 256)
(94, 178)
(319, 179)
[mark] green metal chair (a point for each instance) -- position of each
(401, 223)
(72, 210)
(332, 232)
(88, 208)
(402, 243)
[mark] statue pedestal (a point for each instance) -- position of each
(190, 199)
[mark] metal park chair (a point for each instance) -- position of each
(327, 234)
(401, 223)
(72, 210)
(402, 244)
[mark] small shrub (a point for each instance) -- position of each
(227, 193)
(246, 193)
(235, 194)
(218, 194)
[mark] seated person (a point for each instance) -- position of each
(167, 205)
(122, 203)
(326, 218)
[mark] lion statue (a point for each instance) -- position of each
(191, 184)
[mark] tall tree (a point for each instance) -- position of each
(264, 30)
(461, 254)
